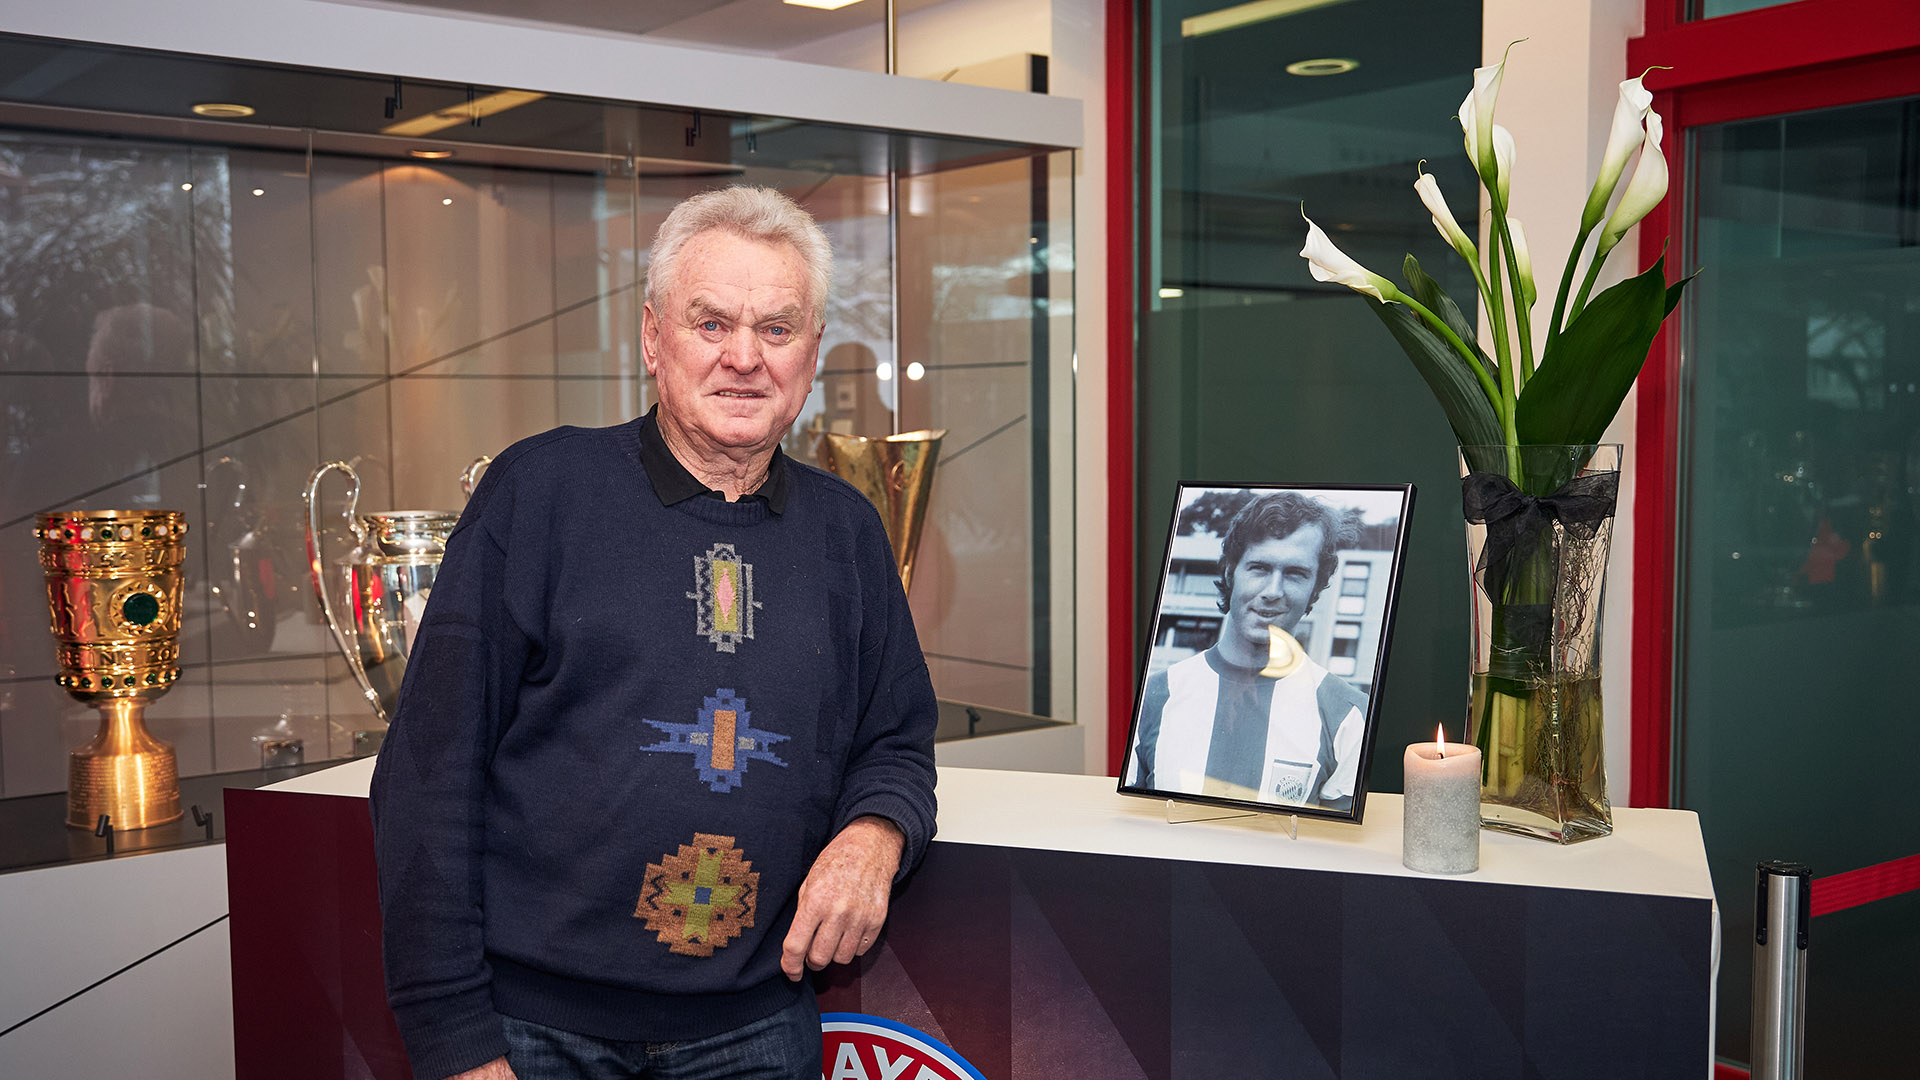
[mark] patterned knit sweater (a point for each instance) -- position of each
(626, 730)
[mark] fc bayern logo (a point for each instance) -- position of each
(856, 1046)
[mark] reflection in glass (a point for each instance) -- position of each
(1251, 371)
(194, 314)
(1800, 574)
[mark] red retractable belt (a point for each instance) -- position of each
(1837, 892)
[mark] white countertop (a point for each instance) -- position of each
(1659, 852)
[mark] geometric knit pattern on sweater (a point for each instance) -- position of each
(722, 740)
(701, 897)
(626, 730)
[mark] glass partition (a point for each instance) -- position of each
(195, 312)
(1249, 370)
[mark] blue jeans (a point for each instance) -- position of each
(784, 1046)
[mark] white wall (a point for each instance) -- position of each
(1077, 69)
(1557, 96)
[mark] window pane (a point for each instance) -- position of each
(1801, 571)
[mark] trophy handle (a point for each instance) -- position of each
(470, 477)
(349, 647)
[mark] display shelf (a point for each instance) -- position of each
(34, 833)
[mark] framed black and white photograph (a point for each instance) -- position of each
(1261, 684)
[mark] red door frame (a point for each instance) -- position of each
(1807, 55)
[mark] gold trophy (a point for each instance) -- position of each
(114, 586)
(896, 472)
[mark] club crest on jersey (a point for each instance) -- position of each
(723, 603)
(855, 1046)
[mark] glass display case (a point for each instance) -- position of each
(215, 275)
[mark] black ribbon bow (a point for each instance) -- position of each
(1517, 523)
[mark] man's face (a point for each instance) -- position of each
(1273, 584)
(731, 345)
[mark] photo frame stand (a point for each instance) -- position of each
(1179, 813)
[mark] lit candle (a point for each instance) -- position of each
(1441, 826)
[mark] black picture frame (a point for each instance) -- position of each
(1317, 678)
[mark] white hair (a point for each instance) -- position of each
(754, 213)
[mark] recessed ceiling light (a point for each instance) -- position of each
(823, 5)
(431, 155)
(1232, 18)
(916, 371)
(186, 187)
(1326, 65)
(446, 202)
(883, 371)
(259, 191)
(222, 110)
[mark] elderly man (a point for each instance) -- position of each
(665, 740)
(1254, 717)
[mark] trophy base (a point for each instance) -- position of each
(124, 773)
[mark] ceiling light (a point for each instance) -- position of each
(1172, 294)
(823, 5)
(1230, 18)
(259, 191)
(446, 202)
(442, 119)
(431, 155)
(916, 371)
(1326, 65)
(883, 371)
(222, 110)
(186, 187)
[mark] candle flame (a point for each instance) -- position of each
(1440, 736)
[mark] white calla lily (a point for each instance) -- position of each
(1500, 149)
(1476, 116)
(1503, 151)
(1523, 260)
(1328, 263)
(1626, 136)
(1443, 220)
(1644, 191)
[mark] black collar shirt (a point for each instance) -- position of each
(672, 482)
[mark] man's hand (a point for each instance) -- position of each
(497, 1069)
(843, 902)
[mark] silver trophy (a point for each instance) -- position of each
(386, 580)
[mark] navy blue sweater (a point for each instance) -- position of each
(626, 730)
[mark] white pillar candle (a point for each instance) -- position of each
(1441, 826)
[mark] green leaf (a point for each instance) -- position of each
(1673, 291)
(1428, 292)
(1588, 369)
(1447, 374)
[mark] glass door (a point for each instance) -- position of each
(1798, 569)
(1777, 578)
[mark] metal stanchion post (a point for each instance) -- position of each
(1784, 907)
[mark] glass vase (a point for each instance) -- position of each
(1539, 521)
